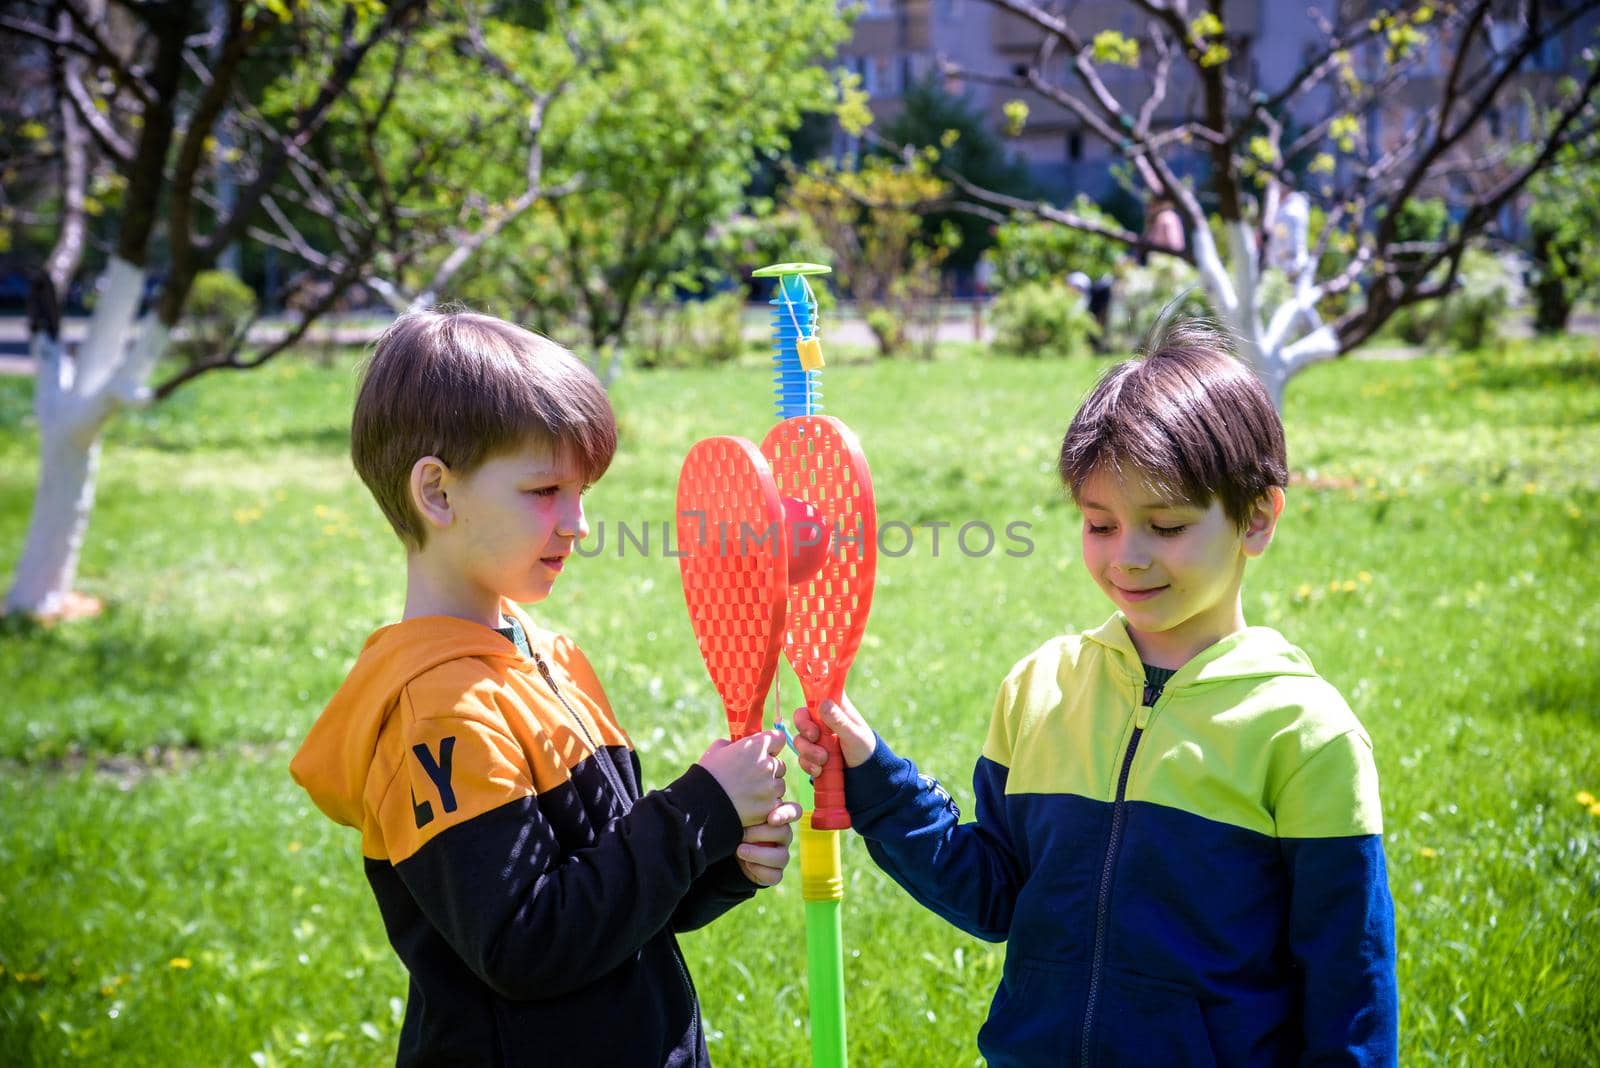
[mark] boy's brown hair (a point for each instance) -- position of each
(1187, 416)
(465, 387)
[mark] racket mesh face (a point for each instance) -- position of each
(734, 565)
(817, 459)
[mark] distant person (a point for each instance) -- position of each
(1163, 228)
(983, 275)
(531, 888)
(1096, 297)
(1178, 833)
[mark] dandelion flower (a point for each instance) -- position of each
(1585, 798)
(1365, 577)
(1428, 851)
(1594, 809)
(181, 963)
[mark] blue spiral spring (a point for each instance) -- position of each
(799, 391)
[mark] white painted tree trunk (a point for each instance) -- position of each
(1264, 342)
(74, 400)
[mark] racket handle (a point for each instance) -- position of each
(828, 812)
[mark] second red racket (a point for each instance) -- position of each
(817, 460)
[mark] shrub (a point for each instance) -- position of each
(1471, 315)
(1412, 324)
(1563, 223)
(1469, 318)
(872, 220)
(1042, 319)
(695, 333)
(1143, 293)
(219, 306)
(1027, 252)
(888, 329)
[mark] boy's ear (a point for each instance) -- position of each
(430, 479)
(1263, 521)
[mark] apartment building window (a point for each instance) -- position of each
(1547, 57)
(1074, 146)
(884, 69)
(867, 71)
(1240, 63)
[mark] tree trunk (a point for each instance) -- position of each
(74, 401)
(1262, 334)
(1552, 306)
(61, 506)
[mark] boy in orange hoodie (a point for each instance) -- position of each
(530, 887)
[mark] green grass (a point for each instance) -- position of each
(1436, 561)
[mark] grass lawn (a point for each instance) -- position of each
(166, 892)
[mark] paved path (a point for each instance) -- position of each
(14, 359)
(963, 326)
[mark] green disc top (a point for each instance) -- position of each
(778, 269)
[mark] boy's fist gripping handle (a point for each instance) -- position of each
(828, 812)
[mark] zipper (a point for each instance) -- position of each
(602, 761)
(610, 775)
(1103, 908)
(688, 987)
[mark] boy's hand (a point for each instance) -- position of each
(765, 849)
(856, 740)
(749, 772)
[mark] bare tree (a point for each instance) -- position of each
(1272, 153)
(143, 89)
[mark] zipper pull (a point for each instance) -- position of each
(1141, 716)
(544, 669)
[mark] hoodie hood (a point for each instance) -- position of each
(335, 759)
(1254, 652)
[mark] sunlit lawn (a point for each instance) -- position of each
(167, 894)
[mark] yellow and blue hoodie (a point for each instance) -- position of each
(1197, 881)
(529, 886)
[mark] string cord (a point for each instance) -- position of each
(813, 306)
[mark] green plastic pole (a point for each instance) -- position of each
(825, 973)
(821, 871)
(822, 886)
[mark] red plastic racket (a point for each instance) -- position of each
(734, 563)
(817, 460)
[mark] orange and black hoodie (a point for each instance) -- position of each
(530, 888)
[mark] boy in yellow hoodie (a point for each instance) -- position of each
(530, 887)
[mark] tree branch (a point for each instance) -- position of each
(1444, 137)
(309, 120)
